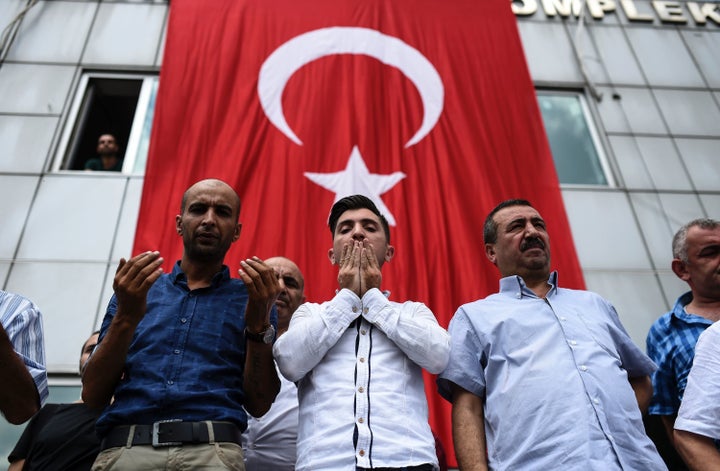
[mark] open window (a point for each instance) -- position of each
(574, 141)
(117, 104)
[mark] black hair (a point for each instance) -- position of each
(490, 227)
(356, 202)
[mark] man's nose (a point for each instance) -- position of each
(358, 232)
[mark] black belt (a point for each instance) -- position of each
(171, 433)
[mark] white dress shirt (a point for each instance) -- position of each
(700, 409)
(358, 364)
(269, 441)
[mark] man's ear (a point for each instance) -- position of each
(178, 226)
(238, 228)
(490, 253)
(331, 256)
(389, 253)
(680, 269)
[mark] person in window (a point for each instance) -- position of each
(358, 359)
(108, 159)
(60, 436)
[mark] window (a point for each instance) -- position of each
(121, 105)
(575, 145)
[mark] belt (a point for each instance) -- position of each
(170, 433)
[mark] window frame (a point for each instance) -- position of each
(73, 125)
(595, 137)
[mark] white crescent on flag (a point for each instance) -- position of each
(284, 61)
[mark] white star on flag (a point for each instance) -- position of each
(356, 179)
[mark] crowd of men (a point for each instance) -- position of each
(196, 369)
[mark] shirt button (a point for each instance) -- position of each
(611, 438)
(363, 332)
(170, 382)
(519, 295)
(354, 309)
(573, 342)
(365, 311)
(583, 367)
(563, 318)
(176, 352)
(361, 420)
(596, 401)
(361, 389)
(361, 452)
(183, 320)
(362, 359)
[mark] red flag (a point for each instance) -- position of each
(425, 106)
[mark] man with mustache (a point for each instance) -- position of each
(270, 441)
(542, 377)
(184, 355)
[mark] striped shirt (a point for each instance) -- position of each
(22, 321)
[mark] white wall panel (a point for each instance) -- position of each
(34, 89)
(25, 142)
(8, 10)
(549, 52)
(712, 205)
(74, 217)
(125, 235)
(4, 268)
(604, 230)
(689, 112)
(664, 58)
(637, 297)
(702, 159)
(704, 48)
(617, 56)
(681, 208)
(67, 295)
(53, 32)
(632, 167)
(655, 226)
(663, 163)
(634, 111)
(125, 33)
(16, 193)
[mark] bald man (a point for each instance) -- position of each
(185, 354)
(270, 441)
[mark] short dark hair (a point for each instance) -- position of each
(356, 202)
(490, 227)
(679, 242)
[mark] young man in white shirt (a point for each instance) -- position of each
(358, 359)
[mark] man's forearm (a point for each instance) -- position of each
(468, 428)
(106, 365)
(260, 381)
(642, 386)
(698, 451)
(19, 397)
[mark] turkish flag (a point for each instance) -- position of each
(425, 106)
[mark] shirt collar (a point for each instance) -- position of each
(179, 277)
(515, 286)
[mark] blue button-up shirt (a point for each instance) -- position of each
(671, 345)
(553, 373)
(187, 356)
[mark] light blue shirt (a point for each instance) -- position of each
(553, 373)
(22, 321)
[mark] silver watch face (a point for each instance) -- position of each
(269, 335)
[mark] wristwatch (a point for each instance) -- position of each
(267, 336)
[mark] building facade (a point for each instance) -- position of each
(629, 90)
